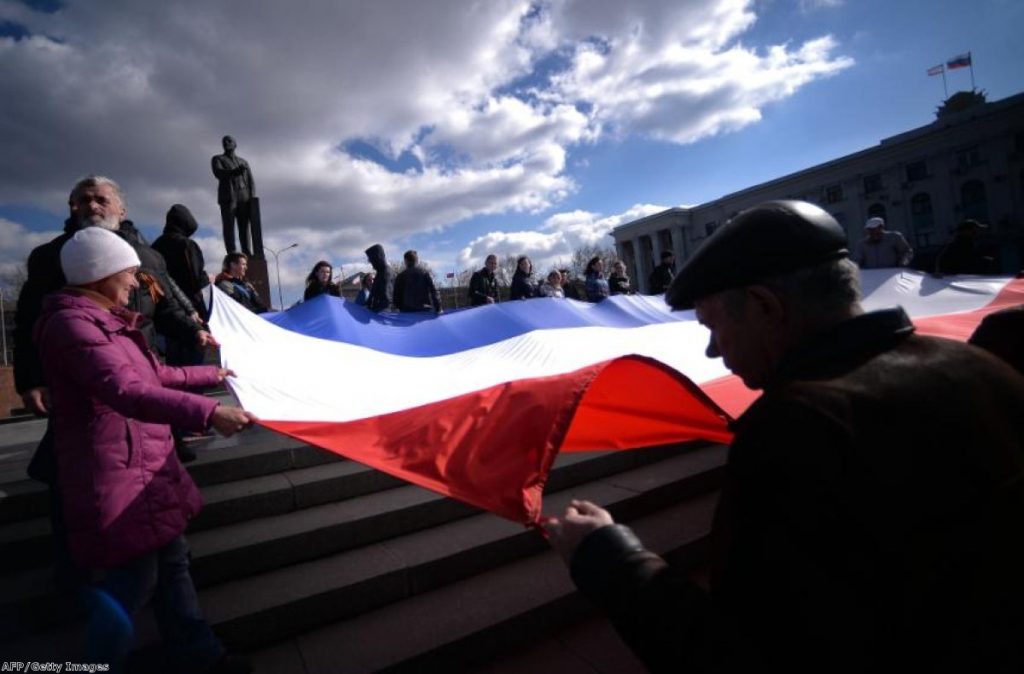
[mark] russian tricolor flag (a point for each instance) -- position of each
(959, 61)
(476, 404)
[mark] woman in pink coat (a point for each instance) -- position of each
(127, 499)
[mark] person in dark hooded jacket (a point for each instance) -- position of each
(185, 264)
(380, 295)
(184, 258)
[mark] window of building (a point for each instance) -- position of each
(877, 210)
(924, 240)
(968, 157)
(710, 227)
(921, 215)
(872, 183)
(833, 194)
(974, 201)
(917, 170)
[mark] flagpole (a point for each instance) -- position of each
(970, 62)
(945, 89)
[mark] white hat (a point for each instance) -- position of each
(95, 253)
(874, 222)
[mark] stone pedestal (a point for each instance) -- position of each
(257, 276)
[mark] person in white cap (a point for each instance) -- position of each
(882, 248)
(125, 495)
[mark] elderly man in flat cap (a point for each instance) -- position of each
(873, 504)
(882, 248)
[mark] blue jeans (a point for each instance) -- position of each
(163, 576)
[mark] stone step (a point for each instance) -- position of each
(288, 600)
(465, 625)
(309, 530)
(256, 452)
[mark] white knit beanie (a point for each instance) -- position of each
(95, 253)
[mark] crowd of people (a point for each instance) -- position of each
(873, 498)
(413, 289)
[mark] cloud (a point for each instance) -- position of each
(673, 73)
(807, 6)
(491, 99)
(16, 242)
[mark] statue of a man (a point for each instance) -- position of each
(236, 195)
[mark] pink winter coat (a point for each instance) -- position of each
(124, 491)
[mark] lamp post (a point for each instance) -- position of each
(277, 268)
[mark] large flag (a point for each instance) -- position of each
(476, 404)
(959, 61)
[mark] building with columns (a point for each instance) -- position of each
(968, 163)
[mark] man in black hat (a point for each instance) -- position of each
(873, 501)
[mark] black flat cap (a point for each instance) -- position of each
(776, 237)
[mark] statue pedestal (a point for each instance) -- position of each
(256, 274)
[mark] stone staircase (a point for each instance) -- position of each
(312, 563)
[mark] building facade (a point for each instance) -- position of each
(968, 163)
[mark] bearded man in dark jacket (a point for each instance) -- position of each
(95, 201)
(873, 503)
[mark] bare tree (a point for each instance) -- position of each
(12, 277)
(582, 255)
(506, 269)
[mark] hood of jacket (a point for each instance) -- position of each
(375, 254)
(180, 221)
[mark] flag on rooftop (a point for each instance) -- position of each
(959, 61)
(476, 404)
(936, 70)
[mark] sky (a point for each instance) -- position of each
(458, 127)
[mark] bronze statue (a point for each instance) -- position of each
(236, 195)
